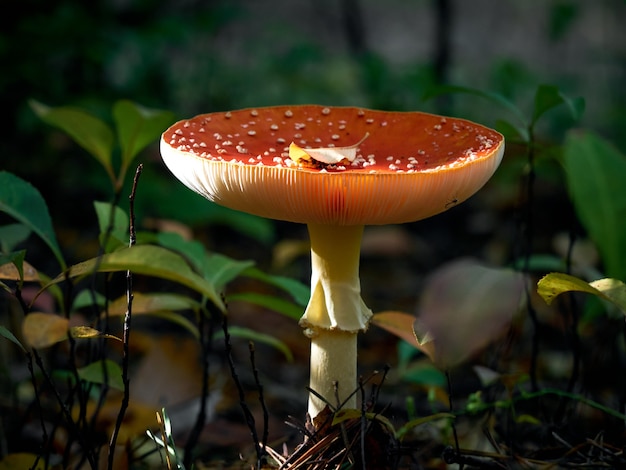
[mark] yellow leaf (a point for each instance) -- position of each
(9, 271)
(86, 332)
(554, 284)
(21, 460)
(41, 330)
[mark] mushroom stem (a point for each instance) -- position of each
(333, 370)
(335, 314)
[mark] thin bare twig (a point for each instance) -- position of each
(205, 346)
(266, 415)
(250, 421)
(127, 321)
(451, 405)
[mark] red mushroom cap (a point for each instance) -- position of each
(411, 165)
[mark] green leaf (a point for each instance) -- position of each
(217, 269)
(539, 263)
(147, 260)
(220, 269)
(154, 302)
(495, 98)
(88, 298)
(512, 132)
(555, 284)
(562, 16)
(256, 336)
(425, 374)
(548, 97)
(419, 421)
(276, 304)
(158, 305)
(103, 372)
(86, 130)
(595, 172)
(10, 336)
(24, 203)
(112, 218)
(16, 260)
(298, 291)
(12, 235)
(192, 250)
(177, 319)
(137, 127)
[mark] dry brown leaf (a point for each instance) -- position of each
(9, 272)
(41, 330)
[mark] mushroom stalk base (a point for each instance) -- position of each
(333, 371)
(335, 314)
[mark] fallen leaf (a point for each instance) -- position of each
(328, 155)
(397, 323)
(21, 460)
(41, 330)
(9, 272)
(463, 307)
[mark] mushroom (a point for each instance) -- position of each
(335, 169)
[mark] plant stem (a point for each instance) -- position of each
(335, 314)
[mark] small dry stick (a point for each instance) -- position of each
(206, 344)
(266, 416)
(250, 421)
(160, 421)
(127, 320)
(454, 433)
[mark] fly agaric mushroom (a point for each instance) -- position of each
(335, 169)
